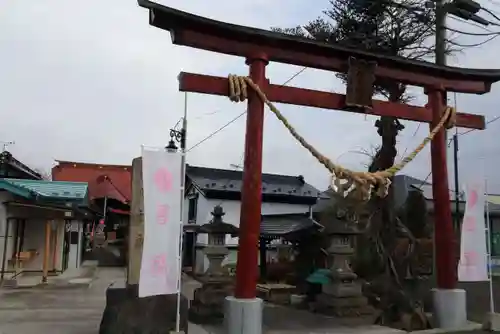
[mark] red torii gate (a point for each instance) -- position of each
(261, 46)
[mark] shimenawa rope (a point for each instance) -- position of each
(363, 182)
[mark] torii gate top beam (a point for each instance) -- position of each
(207, 34)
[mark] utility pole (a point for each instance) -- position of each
(440, 44)
(466, 10)
(440, 48)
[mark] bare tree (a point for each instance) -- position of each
(404, 29)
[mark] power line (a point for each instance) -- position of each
(473, 33)
(207, 114)
(414, 134)
(491, 13)
(474, 24)
(463, 16)
(494, 119)
(473, 45)
(458, 134)
(216, 131)
(240, 115)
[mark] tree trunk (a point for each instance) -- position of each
(388, 128)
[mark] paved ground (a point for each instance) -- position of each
(59, 310)
(78, 309)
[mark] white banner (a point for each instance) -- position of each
(473, 265)
(161, 172)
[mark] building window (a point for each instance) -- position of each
(193, 204)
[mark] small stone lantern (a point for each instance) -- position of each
(216, 250)
(342, 295)
(208, 302)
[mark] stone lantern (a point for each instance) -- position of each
(208, 302)
(342, 295)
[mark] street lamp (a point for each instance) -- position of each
(171, 146)
(178, 136)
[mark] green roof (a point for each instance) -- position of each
(46, 190)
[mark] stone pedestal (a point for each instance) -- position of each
(243, 316)
(450, 308)
(207, 305)
(342, 295)
(125, 313)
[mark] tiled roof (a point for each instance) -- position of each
(212, 179)
(112, 181)
(20, 170)
(283, 224)
(119, 180)
(49, 190)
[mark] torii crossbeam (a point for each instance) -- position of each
(259, 47)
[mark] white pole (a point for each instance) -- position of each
(488, 233)
(181, 237)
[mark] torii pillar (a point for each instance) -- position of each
(450, 303)
(244, 311)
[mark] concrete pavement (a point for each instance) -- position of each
(77, 309)
(66, 310)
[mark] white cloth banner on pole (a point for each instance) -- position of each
(161, 172)
(473, 265)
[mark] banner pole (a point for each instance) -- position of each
(490, 265)
(181, 234)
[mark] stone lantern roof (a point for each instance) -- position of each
(217, 225)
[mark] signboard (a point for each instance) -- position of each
(473, 265)
(160, 272)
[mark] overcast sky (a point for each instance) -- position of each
(91, 81)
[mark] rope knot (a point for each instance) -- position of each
(237, 88)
